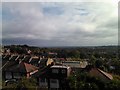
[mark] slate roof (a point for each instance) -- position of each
(43, 62)
(23, 68)
(26, 58)
(44, 72)
(8, 65)
(34, 60)
(20, 57)
(6, 57)
(12, 58)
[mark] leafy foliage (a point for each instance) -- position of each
(83, 81)
(23, 84)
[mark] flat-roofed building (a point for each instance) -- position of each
(76, 64)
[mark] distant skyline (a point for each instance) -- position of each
(60, 24)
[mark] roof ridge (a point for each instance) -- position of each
(109, 76)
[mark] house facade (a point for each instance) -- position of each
(53, 77)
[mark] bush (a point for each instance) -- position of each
(23, 84)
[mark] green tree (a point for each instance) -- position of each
(74, 54)
(93, 60)
(27, 83)
(23, 84)
(114, 84)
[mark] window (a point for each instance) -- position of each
(54, 70)
(54, 83)
(63, 71)
(53, 80)
(16, 75)
(43, 80)
(8, 75)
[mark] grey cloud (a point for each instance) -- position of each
(32, 26)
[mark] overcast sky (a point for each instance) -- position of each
(60, 24)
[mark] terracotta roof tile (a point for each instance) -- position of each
(30, 68)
